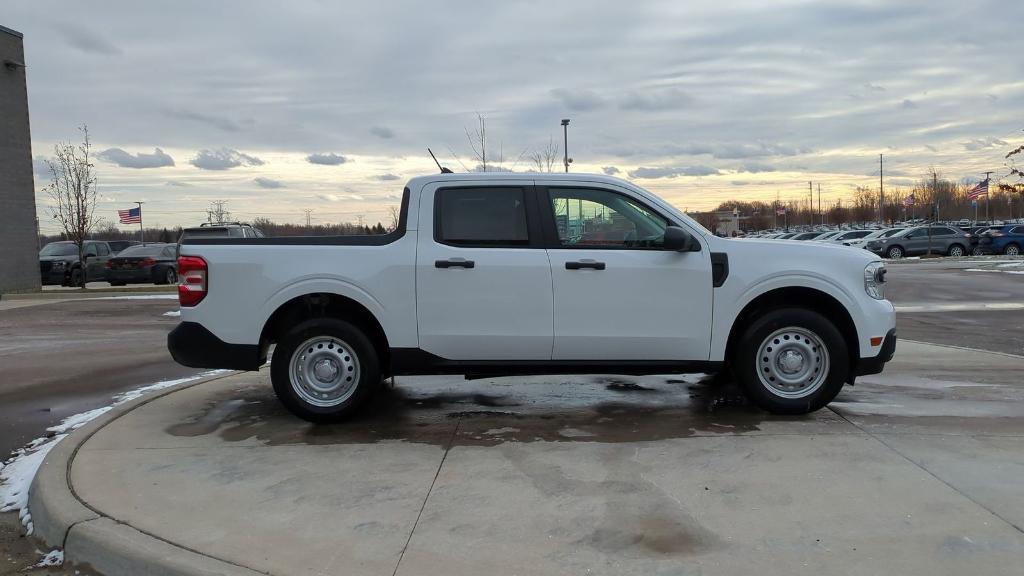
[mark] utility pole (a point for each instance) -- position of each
(881, 194)
(822, 214)
(935, 195)
(565, 143)
(308, 211)
(987, 196)
(775, 212)
(142, 234)
(810, 205)
(217, 213)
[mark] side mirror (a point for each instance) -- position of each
(678, 239)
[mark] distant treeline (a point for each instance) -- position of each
(951, 198)
(269, 228)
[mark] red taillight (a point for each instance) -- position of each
(192, 280)
(109, 264)
(146, 262)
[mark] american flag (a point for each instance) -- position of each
(909, 200)
(978, 191)
(130, 216)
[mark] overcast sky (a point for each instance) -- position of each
(282, 106)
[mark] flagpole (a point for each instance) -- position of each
(142, 233)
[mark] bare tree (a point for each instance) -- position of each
(545, 158)
(73, 191)
(478, 140)
(395, 217)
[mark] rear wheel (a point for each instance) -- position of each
(1012, 250)
(791, 361)
(323, 369)
(895, 252)
(170, 276)
(956, 250)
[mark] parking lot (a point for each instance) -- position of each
(912, 471)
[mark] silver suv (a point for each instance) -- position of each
(916, 241)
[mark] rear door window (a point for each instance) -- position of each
(481, 217)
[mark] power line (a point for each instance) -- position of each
(308, 211)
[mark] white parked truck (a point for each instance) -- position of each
(504, 274)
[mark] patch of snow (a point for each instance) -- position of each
(496, 431)
(1012, 264)
(981, 270)
(17, 472)
(174, 313)
(574, 433)
(51, 558)
(1015, 271)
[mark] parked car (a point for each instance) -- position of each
(144, 264)
(850, 235)
(1007, 240)
(221, 230)
(501, 274)
(116, 246)
(807, 236)
(786, 236)
(875, 234)
(943, 240)
(828, 236)
(59, 263)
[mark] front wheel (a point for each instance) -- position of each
(895, 252)
(323, 369)
(791, 361)
(1012, 250)
(956, 250)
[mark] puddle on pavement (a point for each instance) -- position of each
(603, 410)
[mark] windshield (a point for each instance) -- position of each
(893, 232)
(59, 249)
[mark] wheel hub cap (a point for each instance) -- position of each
(324, 371)
(792, 362)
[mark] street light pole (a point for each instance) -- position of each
(565, 143)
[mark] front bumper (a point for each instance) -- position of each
(866, 366)
(192, 345)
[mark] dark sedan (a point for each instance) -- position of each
(144, 264)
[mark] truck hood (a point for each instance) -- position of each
(795, 253)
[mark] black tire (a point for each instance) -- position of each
(117, 283)
(977, 252)
(1012, 249)
(956, 248)
(170, 276)
(344, 334)
(748, 363)
(76, 278)
(894, 252)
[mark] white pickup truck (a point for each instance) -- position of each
(503, 274)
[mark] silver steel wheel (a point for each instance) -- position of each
(1012, 250)
(895, 252)
(324, 371)
(792, 362)
(956, 251)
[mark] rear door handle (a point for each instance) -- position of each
(580, 264)
(454, 263)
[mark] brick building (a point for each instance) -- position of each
(19, 256)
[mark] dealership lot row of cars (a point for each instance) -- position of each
(917, 240)
(121, 262)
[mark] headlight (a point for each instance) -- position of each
(874, 280)
(59, 263)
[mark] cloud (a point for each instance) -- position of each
(610, 170)
(984, 143)
(382, 132)
(40, 167)
(733, 151)
(267, 182)
(578, 100)
(178, 184)
(223, 159)
(387, 177)
(158, 159)
(655, 100)
(330, 159)
(672, 172)
(756, 167)
(219, 122)
(87, 41)
(870, 87)
(908, 104)
(338, 197)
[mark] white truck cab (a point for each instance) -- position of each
(500, 274)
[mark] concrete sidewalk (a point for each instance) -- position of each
(915, 471)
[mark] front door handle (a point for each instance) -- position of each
(580, 264)
(454, 263)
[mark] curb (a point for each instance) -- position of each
(88, 537)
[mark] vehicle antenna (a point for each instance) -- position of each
(443, 169)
